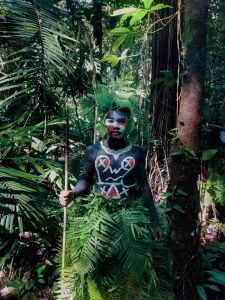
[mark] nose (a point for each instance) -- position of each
(115, 124)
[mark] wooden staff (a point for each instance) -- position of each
(66, 189)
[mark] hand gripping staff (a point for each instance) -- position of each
(63, 290)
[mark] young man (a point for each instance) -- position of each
(119, 167)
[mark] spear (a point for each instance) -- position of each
(63, 291)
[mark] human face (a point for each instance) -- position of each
(116, 124)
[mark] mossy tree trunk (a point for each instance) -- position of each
(184, 167)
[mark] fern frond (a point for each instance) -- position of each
(90, 240)
(113, 255)
(93, 291)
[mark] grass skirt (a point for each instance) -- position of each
(111, 253)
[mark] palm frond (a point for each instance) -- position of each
(91, 238)
(33, 28)
(18, 200)
(112, 254)
(93, 291)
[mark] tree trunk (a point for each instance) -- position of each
(97, 24)
(164, 57)
(190, 108)
(184, 167)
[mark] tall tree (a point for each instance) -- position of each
(183, 164)
(180, 105)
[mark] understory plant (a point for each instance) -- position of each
(212, 285)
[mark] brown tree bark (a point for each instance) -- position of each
(183, 167)
(190, 107)
(164, 57)
(180, 106)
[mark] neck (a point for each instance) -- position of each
(116, 144)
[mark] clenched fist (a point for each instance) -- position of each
(65, 197)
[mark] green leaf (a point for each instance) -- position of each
(41, 269)
(112, 59)
(133, 136)
(42, 281)
(118, 42)
(168, 209)
(167, 73)
(178, 208)
(138, 17)
(167, 194)
(120, 30)
(157, 81)
(4, 245)
(182, 193)
(201, 292)
(129, 40)
(37, 167)
(148, 3)
(190, 151)
(125, 10)
(11, 173)
(94, 291)
(159, 6)
(130, 125)
(125, 17)
(219, 275)
(13, 284)
(101, 128)
(216, 280)
(170, 83)
(208, 154)
(37, 144)
(212, 287)
(177, 153)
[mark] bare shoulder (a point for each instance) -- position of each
(140, 151)
(91, 151)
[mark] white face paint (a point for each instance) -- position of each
(116, 124)
(222, 136)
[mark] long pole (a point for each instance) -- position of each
(66, 189)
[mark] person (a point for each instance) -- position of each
(118, 165)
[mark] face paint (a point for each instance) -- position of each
(116, 123)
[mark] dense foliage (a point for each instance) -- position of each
(51, 59)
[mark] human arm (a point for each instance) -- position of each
(145, 190)
(85, 180)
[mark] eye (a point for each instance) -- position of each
(121, 122)
(109, 121)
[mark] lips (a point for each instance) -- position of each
(116, 133)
